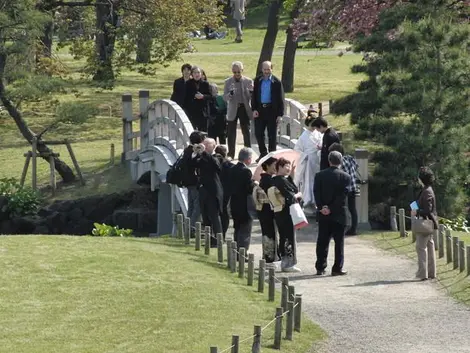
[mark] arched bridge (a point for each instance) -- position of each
(155, 137)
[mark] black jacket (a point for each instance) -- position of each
(331, 189)
(179, 91)
(197, 108)
(287, 189)
(265, 182)
(241, 189)
(329, 137)
(277, 96)
(208, 169)
(189, 177)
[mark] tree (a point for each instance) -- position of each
(416, 100)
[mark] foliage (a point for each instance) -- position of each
(459, 224)
(21, 201)
(104, 230)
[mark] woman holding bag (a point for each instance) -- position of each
(282, 195)
(423, 223)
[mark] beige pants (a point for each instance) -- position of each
(426, 256)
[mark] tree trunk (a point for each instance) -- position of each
(104, 42)
(144, 44)
(46, 40)
(61, 167)
(271, 35)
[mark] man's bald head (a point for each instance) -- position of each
(267, 67)
(210, 144)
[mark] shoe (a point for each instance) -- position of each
(339, 273)
(424, 279)
(321, 273)
(291, 269)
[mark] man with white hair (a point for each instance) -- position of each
(237, 94)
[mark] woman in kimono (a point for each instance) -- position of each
(282, 195)
(309, 161)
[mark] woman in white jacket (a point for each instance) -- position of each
(308, 144)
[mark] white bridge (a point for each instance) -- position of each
(163, 133)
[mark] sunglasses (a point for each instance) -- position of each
(236, 72)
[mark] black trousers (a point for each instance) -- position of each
(232, 130)
(266, 120)
(353, 210)
(211, 215)
(242, 232)
(287, 242)
(268, 231)
(218, 129)
(326, 231)
(225, 218)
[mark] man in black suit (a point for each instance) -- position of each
(329, 137)
(210, 186)
(179, 86)
(267, 103)
(240, 197)
(331, 190)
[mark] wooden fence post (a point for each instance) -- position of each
(448, 246)
(455, 252)
(207, 240)
(468, 260)
(291, 293)
(214, 350)
(393, 219)
(290, 320)
(52, 176)
(25, 168)
(187, 230)
(126, 125)
(229, 253)
(284, 292)
(461, 256)
(241, 263)
(180, 226)
(144, 100)
(256, 348)
(74, 160)
(233, 266)
(251, 269)
(278, 329)
(197, 236)
(220, 248)
(320, 109)
(111, 155)
(34, 165)
(401, 222)
(298, 312)
(442, 230)
(175, 225)
(261, 275)
(235, 344)
(272, 285)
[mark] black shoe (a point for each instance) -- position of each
(321, 273)
(339, 273)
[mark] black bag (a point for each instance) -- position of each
(174, 175)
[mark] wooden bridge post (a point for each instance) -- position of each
(144, 97)
(362, 202)
(126, 125)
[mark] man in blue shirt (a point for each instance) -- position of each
(267, 104)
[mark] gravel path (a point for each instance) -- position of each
(378, 306)
(275, 53)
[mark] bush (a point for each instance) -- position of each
(459, 224)
(104, 230)
(21, 201)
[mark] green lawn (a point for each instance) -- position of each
(86, 294)
(455, 283)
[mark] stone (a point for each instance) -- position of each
(148, 221)
(26, 225)
(3, 208)
(57, 222)
(8, 227)
(128, 219)
(75, 215)
(41, 229)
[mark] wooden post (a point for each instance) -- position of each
(261, 275)
(235, 344)
(52, 174)
(290, 320)
(278, 329)
(461, 256)
(214, 350)
(284, 292)
(207, 240)
(233, 266)
(34, 154)
(126, 125)
(362, 202)
(241, 263)
(197, 237)
(272, 285)
(291, 293)
(187, 230)
(220, 248)
(251, 269)
(25, 168)
(448, 246)
(442, 230)
(455, 252)
(229, 253)
(256, 348)
(175, 224)
(180, 226)
(320, 109)
(401, 222)
(298, 312)
(144, 122)
(111, 155)
(393, 219)
(74, 161)
(468, 260)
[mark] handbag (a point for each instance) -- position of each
(298, 216)
(422, 226)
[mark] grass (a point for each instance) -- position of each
(87, 294)
(452, 281)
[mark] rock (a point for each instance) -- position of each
(148, 221)
(41, 229)
(57, 222)
(26, 225)
(3, 208)
(75, 215)
(8, 227)
(128, 219)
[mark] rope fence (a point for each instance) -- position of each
(454, 249)
(290, 303)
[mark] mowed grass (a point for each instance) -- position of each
(86, 294)
(452, 281)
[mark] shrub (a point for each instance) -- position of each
(21, 201)
(104, 230)
(459, 224)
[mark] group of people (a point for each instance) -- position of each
(242, 100)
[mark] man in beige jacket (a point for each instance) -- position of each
(238, 13)
(237, 94)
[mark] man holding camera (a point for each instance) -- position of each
(237, 94)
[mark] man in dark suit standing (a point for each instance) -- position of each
(179, 86)
(331, 190)
(329, 137)
(267, 104)
(240, 197)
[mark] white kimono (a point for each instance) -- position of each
(308, 164)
